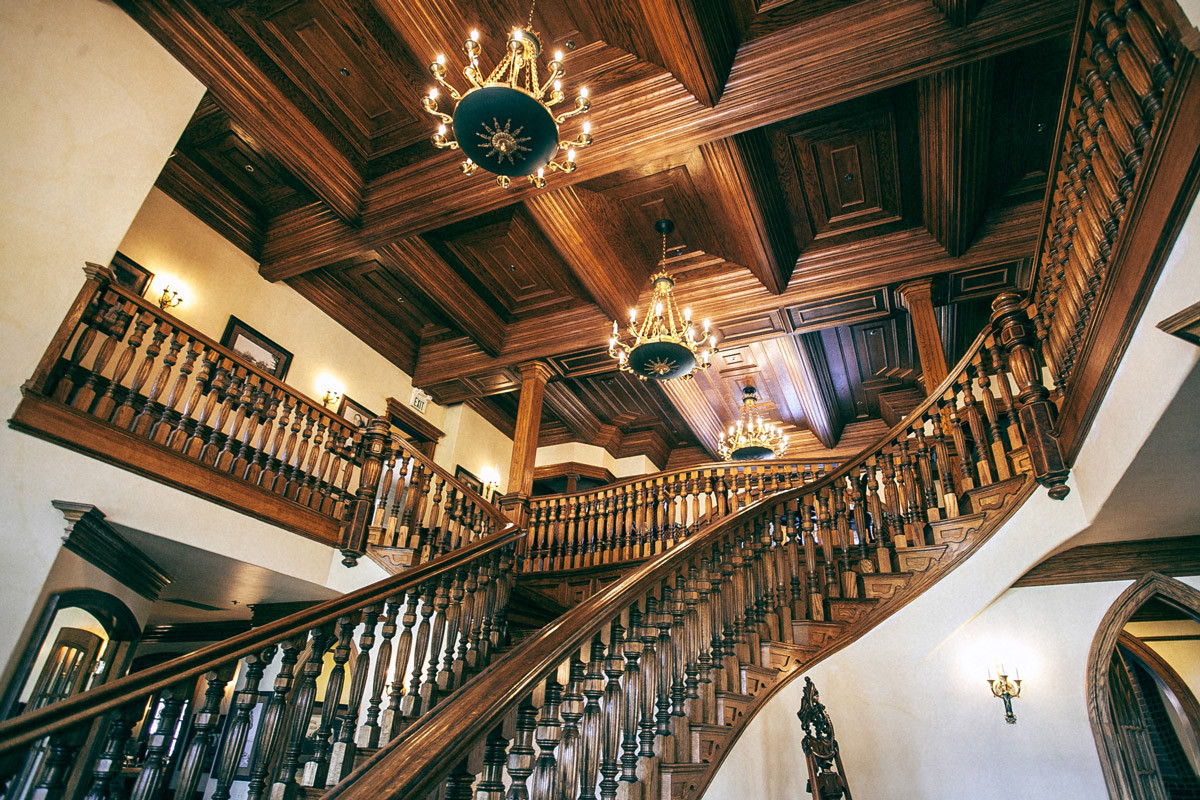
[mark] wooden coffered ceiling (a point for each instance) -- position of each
(813, 154)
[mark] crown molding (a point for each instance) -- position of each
(94, 540)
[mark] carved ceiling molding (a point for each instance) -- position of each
(92, 538)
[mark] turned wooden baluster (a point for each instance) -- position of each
(647, 722)
(57, 764)
(341, 759)
(999, 370)
(111, 760)
(114, 321)
(93, 316)
(310, 492)
(392, 718)
(368, 734)
(444, 677)
(153, 776)
(631, 706)
(296, 472)
(140, 424)
(239, 723)
(491, 783)
(252, 455)
(300, 712)
(230, 392)
(666, 661)
(547, 735)
(945, 471)
(521, 754)
(273, 722)
(467, 621)
(929, 499)
(914, 516)
(107, 404)
(707, 644)
(814, 592)
(204, 731)
(610, 713)
(273, 456)
(591, 724)
(245, 403)
(316, 770)
(411, 706)
(569, 743)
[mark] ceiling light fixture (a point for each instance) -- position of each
(665, 344)
(504, 123)
(751, 439)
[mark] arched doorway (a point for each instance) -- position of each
(1141, 686)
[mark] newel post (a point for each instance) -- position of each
(362, 508)
(98, 279)
(1015, 333)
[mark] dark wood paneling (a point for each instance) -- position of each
(507, 260)
(1117, 561)
(866, 359)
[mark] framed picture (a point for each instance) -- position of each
(256, 348)
(358, 414)
(130, 274)
(469, 479)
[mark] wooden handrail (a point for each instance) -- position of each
(23, 729)
(415, 763)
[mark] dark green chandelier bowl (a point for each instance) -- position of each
(661, 361)
(505, 131)
(752, 453)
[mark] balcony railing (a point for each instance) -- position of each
(129, 384)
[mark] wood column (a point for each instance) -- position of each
(917, 297)
(529, 420)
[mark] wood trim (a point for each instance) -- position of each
(254, 101)
(573, 468)
(1170, 677)
(195, 631)
(1115, 561)
(405, 417)
(91, 538)
(1185, 324)
(1105, 641)
(82, 433)
(1161, 201)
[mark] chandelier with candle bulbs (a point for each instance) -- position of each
(505, 123)
(665, 343)
(751, 439)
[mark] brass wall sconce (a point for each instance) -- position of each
(169, 299)
(1006, 689)
(331, 398)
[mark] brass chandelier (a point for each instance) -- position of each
(665, 344)
(504, 122)
(751, 439)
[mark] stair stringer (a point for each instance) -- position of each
(991, 521)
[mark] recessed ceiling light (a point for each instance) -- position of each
(249, 168)
(344, 72)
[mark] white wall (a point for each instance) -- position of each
(908, 689)
(595, 455)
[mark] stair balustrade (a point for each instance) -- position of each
(301, 697)
(635, 690)
(640, 517)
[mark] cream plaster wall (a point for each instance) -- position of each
(221, 280)
(579, 452)
(473, 442)
(918, 680)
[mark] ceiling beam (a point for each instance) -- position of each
(255, 102)
(740, 170)
(808, 371)
(581, 422)
(581, 226)
(691, 404)
(417, 261)
(955, 129)
(697, 41)
(893, 258)
(783, 73)
(959, 12)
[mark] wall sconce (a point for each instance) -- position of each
(169, 299)
(331, 391)
(491, 482)
(331, 398)
(1005, 689)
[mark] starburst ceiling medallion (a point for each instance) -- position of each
(751, 439)
(665, 344)
(505, 123)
